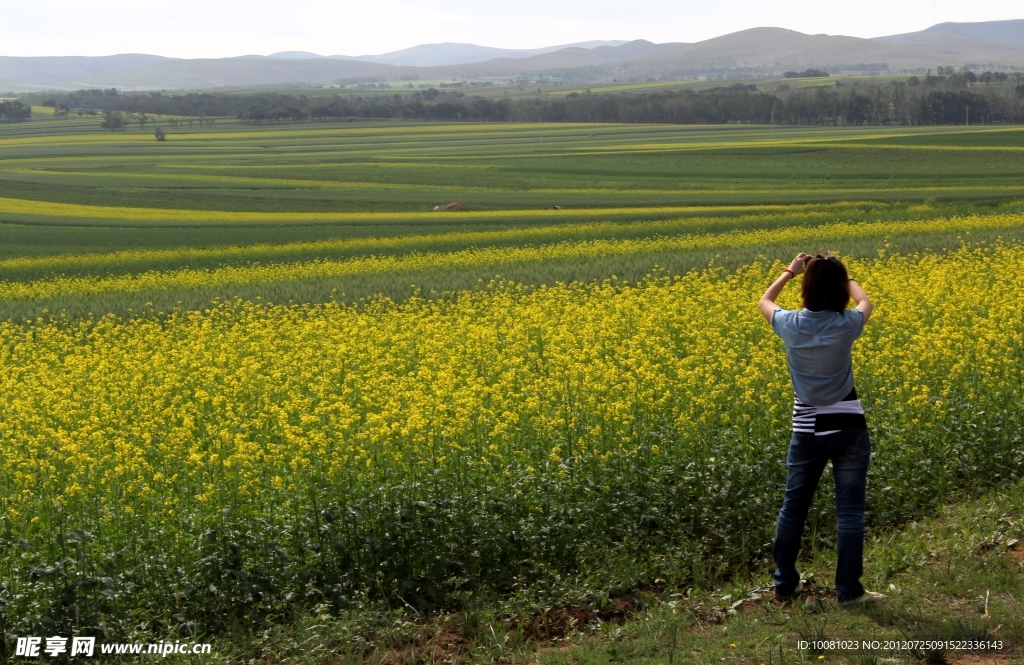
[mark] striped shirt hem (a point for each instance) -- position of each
(845, 414)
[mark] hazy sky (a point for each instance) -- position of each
(218, 28)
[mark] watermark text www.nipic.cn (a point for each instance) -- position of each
(52, 647)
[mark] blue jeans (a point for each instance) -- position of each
(850, 451)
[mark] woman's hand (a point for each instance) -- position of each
(799, 264)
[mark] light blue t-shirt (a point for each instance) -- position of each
(818, 346)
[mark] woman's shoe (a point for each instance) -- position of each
(866, 598)
(800, 588)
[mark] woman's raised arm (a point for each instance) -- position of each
(767, 302)
(860, 298)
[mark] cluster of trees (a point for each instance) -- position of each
(896, 105)
(14, 111)
(114, 121)
(429, 105)
(951, 78)
(949, 98)
(155, 103)
(59, 110)
(117, 121)
(810, 73)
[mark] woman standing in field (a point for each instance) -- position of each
(828, 420)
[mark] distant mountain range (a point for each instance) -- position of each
(755, 52)
(773, 50)
(1010, 33)
(448, 53)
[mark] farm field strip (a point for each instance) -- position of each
(44, 212)
(369, 135)
(388, 132)
(567, 251)
(752, 217)
(718, 219)
(31, 208)
(345, 135)
(526, 150)
(313, 158)
(172, 180)
(403, 137)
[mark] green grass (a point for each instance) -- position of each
(940, 575)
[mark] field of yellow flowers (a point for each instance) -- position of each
(252, 374)
(196, 467)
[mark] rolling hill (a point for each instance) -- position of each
(437, 55)
(751, 53)
(242, 71)
(447, 53)
(777, 49)
(995, 32)
(558, 62)
(57, 70)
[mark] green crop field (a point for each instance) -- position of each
(249, 375)
(312, 191)
(357, 175)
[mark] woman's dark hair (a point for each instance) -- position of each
(825, 285)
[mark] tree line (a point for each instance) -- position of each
(951, 98)
(14, 111)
